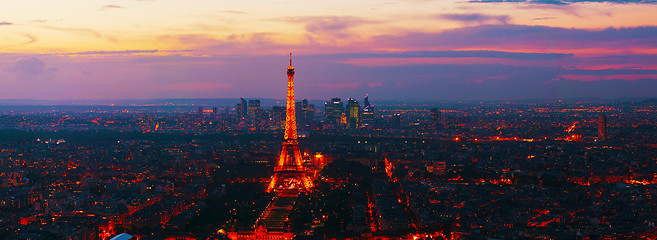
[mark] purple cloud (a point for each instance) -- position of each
(321, 77)
(28, 69)
(521, 36)
(332, 25)
(543, 18)
(114, 52)
(475, 18)
(32, 66)
(5, 23)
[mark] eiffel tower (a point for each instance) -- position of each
(289, 173)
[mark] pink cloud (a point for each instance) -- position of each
(590, 78)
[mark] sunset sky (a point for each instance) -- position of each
(412, 49)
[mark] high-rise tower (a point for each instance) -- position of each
(368, 111)
(353, 114)
(241, 108)
(289, 173)
(333, 110)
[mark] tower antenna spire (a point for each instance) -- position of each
(290, 59)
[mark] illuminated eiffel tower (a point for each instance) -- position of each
(289, 173)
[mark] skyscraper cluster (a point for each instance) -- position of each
(352, 116)
(337, 114)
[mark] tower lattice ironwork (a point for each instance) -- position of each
(289, 173)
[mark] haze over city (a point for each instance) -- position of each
(433, 50)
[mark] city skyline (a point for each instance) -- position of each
(433, 50)
(471, 171)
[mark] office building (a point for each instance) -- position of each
(305, 114)
(367, 118)
(241, 108)
(254, 109)
(333, 111)
(353, 114)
